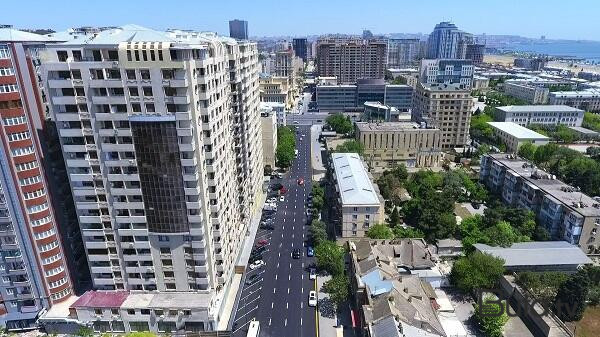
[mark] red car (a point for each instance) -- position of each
(262, 242)
(282, 191)
(300, 181)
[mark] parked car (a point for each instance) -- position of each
(312, 298)
(267, 227)
(310, 251)
(300, 181)
(312, 274)
(296, 253)
(262, 242)
(281, 198)
(257, 264)
(252, 279)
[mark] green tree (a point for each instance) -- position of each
(570, 301)
(591, 121)
(140, 334)
(338, 289)
(477, 271)
(318, 232)
(330, 257)
(351, 146)
(394, 217)
(286, 146)
(527, 150)
(490, 323)
(380, 231)
(503, 234)
(339, 123)
(408, 233)
(85, 332)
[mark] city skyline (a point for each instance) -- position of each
(348, 18)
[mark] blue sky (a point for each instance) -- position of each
(573, 19)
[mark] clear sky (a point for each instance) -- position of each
(571, 19)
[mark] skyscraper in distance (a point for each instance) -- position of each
(300, 48)
(238, 29)
(447, 42)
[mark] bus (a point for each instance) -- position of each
(253, 328)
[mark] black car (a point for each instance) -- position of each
(252, 279)
(296, 253)
(268, 227)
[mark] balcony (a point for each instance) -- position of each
(108, 100)
(176, 83)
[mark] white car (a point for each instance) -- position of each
(312, 274)
(312, 299)
(282, 198)
(257, 264)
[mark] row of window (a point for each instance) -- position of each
(43, 235)
(4, 88)
(47, 247)
(27, 166)
(13, 137)
(30, 180)
(6, 71)
(54, 271)
(12, 104)
(58, 283)
(34, 194)
(4, 52)
(41, 221)
(22, 151)
(61, 294)
(37, 208)
(51, 259)
(14, 120)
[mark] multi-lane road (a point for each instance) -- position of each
(279, 300)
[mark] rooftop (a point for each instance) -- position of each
(577, 94)
(139, 299)
(583, 130)
(389, 126)
(445, 87)
(541, 253)
(516, 130)
(101, 299)
(538, 108)
(563, 193)
(15, 35)
(355, 186)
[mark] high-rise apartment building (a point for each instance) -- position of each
(402, 52)
(33, 264)
(161, 139)
(475, 53)
(351, 59)
(284, 63)
(238, 29)
(300, 48)
(448, 42)
(446, 71)
(446, 107)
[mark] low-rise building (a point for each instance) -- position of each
(584, 133)
(514, 135)
(563, 210)
(351, 97)
(526, 115)
(278, 108)
(588, 99)
(536, 63)
(538, 256)
(358, 202)
(447, 107)
(529, 93)
(268, 121)
(480, 82)
(276, 89)
(392, 143)
(375, 111)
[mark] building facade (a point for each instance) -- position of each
(351, 59)
(447, 107)
(34, 269)
(475, 53)
(238, 29)
(446, 71)
(448, 42)
(588, 99)
(530, 94)
(563, 210)
(162, 143)
(358, 202)
(402, 52)
(268, 121)
(530, 63)
(514, 135)
(276, 89)
(284, 64)
(352, 97)
(300, 48)
(525, 115)
(389, 144)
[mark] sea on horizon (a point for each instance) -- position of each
(586, 50)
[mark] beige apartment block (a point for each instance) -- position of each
(268, 122)
(277, 89)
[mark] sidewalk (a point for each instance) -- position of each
(327, 325)
(315, 153)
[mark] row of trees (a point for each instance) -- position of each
(351, 146)
(286, 146)
(340, 123)
(569, 165)
(560, 133)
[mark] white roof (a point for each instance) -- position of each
(538, 108)
(517, 131)
(354, 183)
(537, 253)
(15, 35)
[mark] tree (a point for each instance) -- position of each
(540, 234)
(140, 334)
(527, 150)
(330, 257)
(477, 271)
(488, 319)
(351, 146)
(394, 217)
(570, 301)
(286, 144)
(408, 233)
(339, 123)
(85, 332)
(379, 231)
(318, 232)
(503, 234)
(337, 288)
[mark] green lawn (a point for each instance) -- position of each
(589, 326)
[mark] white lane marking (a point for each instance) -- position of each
(279, 254)
(289, 277)
(288, 290)
(274, 290)
(287, 305)
(300, 321)
(283, 227)
(285, 323)
(302, 289)
(275, 277)
(302, 264)
(248, 303)
(240, 327)
(272, 304)
(238, 318)
(301, 305)
(292, 242)
(303, 276)
(277, 264)
(282, 235)
(269, 321)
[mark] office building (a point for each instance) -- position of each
(514, 135)
(536, 63)
(267, 64)
(35, 273)
(268, 122)
(480, 83)
(446, 71)
(389, 144)
(475, 53)
(276, 89)
(351, 59)
(402, 52)
(346, 97)
(284, 64)
(448, 42)
(358, 204)
(447, 107)
(526, 115)
(377, 112)
(278, 109)
(162, 142)
(300, 48)
(238, 29)
(529, 93)
(564, 211)
(588, 99)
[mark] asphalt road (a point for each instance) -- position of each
(279, 300)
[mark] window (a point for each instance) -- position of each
(133, 91)
(21, 151)
(354, 216)
(145, 74)
(4, 52)
(13, 137)
(150, 107)
(130, 74)
(130, 312)
(355, 209)
(4, 88)
(98, 312)
(163, 238)
(37, 208)
(6, 71)
(170, 286)
(41, 221)
(30, 180)
(136, 107)
(14, 120)
(165, 250)
(62, 55)
(54, 271)
(147, 91)
(145, 311)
